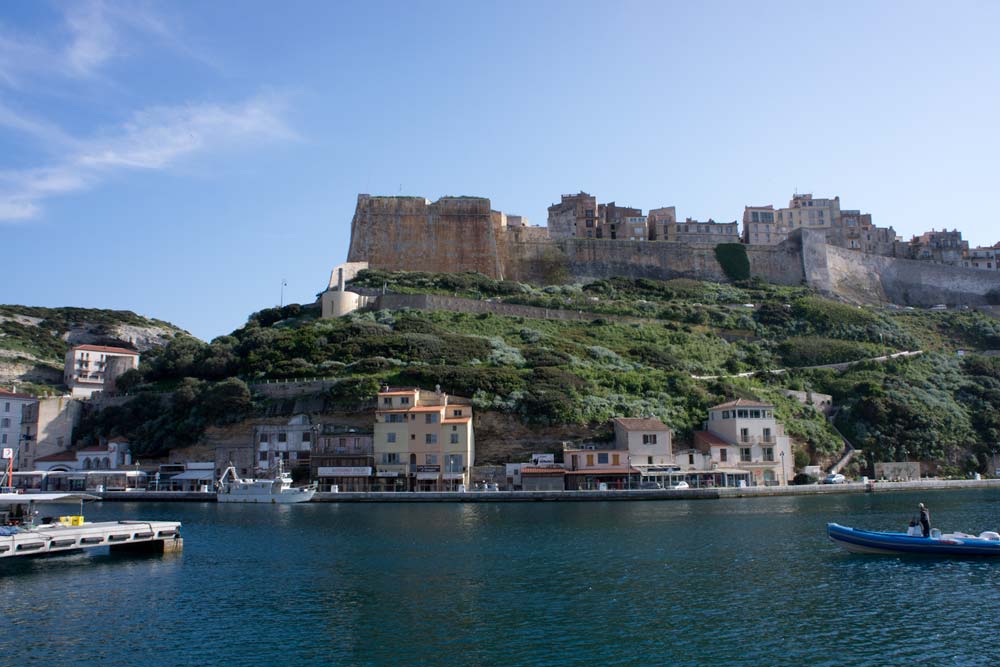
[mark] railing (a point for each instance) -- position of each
(758, 439)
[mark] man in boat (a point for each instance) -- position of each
(925, 520)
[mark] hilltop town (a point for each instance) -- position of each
(813, 240)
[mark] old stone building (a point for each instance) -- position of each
(621, 222)
(574, 216)
(658, 220)
(941, 246)
(697, 232)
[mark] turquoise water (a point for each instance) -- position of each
(734, 582)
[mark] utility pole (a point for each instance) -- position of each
(281, 302)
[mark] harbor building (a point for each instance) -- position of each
(744, 435)
(641, 453)
(343, 459)
(111, 456)
(423, 440)
(286, 445)
(46, 428)
(11, 411)
(89, 368)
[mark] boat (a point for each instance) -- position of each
(277, 490)
(913, 542)
(26, 530)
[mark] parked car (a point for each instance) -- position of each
(650, 485)
(834, 478)
(680, 485)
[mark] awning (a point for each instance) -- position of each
(453, 475)
(427, 475)
(192, 474)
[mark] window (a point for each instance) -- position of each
(4, 439)
(386, 401)
(264, 437)
(6, 406)
(431, 418)
(456, 413)
(263, 456)
(743, 414)
(307, 437)
(430, 438)
(744, 435)
(5, 422)
(725, 414)
(590, 460)
(413, 436)
(390, 457)
(431, 459)
(282, 437)
(602, 458)
(649, 460)
(453, 463)
(769, 453)
(767, 435)
(723, 454)
(615, 460)
(405, 400)
(395, 419)
(755, 414)
(390, 437)
(690, 459)
(454, 438)
(745, 454)
(649, 438)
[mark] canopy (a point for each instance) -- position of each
(193, 474)
(25, 498)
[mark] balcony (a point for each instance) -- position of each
(758, 440)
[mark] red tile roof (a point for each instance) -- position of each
(94, 449)
(58, 456)
(543, 471)
(106, 349)
(641, 424)
(710, 439)
(741, 403)
(9, 394)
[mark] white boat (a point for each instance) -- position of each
(26, 530)
(279, 490)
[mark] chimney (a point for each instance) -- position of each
(340, 279)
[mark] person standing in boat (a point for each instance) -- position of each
(925, 520)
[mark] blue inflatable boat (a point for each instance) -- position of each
(938, 544)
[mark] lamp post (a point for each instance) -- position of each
(784, 473)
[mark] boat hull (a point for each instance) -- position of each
(268, 498)
(901, 544)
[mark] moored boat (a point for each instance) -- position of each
(856, 540)
(279, 490)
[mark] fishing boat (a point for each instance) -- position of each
(277, 490)
(27, 528)
(913, 542)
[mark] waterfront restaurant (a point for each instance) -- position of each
(342, 460)
(588, 468)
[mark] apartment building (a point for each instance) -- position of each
(698, 232)
(287, 445)
(574, 216)
(343, 458)
(658, 220)
(11, 411)
(745, 435)
(423, 440)
(807, 211)
(942, 246)
(984, 259)
(760, 226)
(621, 222)
(641, 452)
(89, 367)
(47, 426)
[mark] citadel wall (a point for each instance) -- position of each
(457, 234)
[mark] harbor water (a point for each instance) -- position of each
(749, 581)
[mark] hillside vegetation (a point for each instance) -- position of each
(550, 372)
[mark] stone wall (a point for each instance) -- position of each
(453, 234)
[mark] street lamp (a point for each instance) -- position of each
(784, 473)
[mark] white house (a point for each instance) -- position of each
(113, 456)
(89, 367)
(744, 435)
(11, 404)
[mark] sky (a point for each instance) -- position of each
(199, 161)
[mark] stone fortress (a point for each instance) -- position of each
(812, 241)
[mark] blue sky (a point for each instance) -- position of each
(181, 159)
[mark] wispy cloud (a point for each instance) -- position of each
(153, 139)
(93, 40)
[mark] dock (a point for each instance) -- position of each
(138, 536)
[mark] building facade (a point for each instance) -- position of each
(621, 222)
(941, 246)
(707, 233)
(984, 259)
(46, 428)
(760, 226)
(112, 456)
(745, 435)
(343, 459)
(574, 216)
(658, 220)
(89, 367)
(288, 445)
(423, 440)
(11, 411)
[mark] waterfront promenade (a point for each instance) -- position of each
(587, 496)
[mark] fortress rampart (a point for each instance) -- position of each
(457, 234)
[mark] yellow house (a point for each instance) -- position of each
(423, 440)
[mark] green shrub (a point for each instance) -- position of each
(732, 257)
